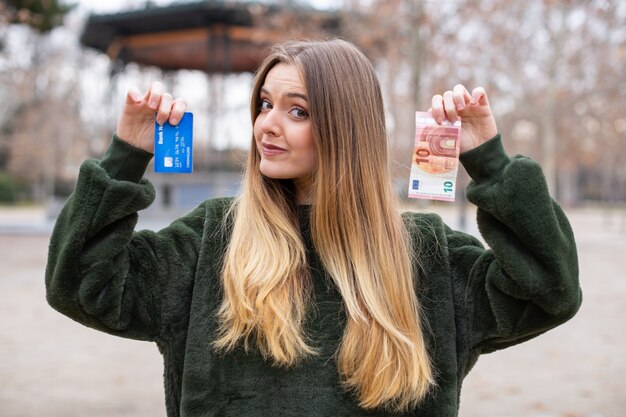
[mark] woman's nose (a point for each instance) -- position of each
(270, 122)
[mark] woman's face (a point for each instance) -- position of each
(283, 132)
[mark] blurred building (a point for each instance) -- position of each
(211, 36)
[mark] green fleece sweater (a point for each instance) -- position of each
(165, 287)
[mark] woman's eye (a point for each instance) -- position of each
(299, 113)
(265, 105)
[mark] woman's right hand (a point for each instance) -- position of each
(136, 123)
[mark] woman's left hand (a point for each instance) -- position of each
(478, 123)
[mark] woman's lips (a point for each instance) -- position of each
(271, 150)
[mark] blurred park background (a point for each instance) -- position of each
(554, 71)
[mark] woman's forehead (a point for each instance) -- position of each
(284, 77)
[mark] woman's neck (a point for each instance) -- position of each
(304, 190)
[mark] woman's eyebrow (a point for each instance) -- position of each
(296, 95)
(288, 94)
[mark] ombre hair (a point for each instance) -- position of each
(356, 228)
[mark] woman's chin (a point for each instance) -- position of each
(269, 170)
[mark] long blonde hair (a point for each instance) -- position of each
(356, 229)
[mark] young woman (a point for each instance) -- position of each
(310, 294)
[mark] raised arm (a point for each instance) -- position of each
(103, 274)
(527, 282)
(100, 272)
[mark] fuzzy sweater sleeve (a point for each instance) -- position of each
(103, 274)
(527, 282)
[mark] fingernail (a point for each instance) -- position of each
(439, 120)
(153, 104)
(173, 121)
(460, 106)
(135, 97)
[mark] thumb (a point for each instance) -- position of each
(479, 96)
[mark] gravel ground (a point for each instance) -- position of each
(51, 366)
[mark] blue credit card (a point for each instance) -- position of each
(173, 146)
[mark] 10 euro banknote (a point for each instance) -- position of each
(435, 159)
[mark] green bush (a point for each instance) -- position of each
(9, 189)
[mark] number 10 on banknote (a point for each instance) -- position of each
(435, 160)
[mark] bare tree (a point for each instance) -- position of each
(553, 69)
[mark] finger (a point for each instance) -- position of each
(437, 108)
(461, 97)
(165, 107)
(479, 96)
(178, 110)
(449, 107)
(133, 96)
(154, 95)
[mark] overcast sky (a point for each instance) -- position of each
(100, 6)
